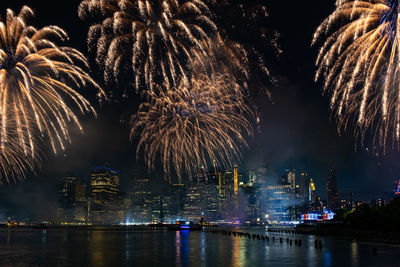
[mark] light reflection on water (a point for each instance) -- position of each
(55, 247)
(354, 253)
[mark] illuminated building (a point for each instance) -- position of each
(311, 191)
(251, 177)
(72, 200)
(156, 208)
(261, 174)
(312, 196)
(179, 195)
(211, 202)
(235, 179)
(221, 185)
(304, 182)
(168, 211)
(141, 201)
(104, 193)
(320, 216)
(80, 212)
(278, 201)
(229, 183)
(66, 196)
(193, 206)
(66, 190)
(291, 178)
(332, 190)
(251, 209)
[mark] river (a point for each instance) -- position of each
(73, 247)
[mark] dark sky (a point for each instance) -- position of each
(296, 131)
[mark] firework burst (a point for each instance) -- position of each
(359, 63)
(150, 40)
(36, 84)
(190, 126)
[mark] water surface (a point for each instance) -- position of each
(62, 247)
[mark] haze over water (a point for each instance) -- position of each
(60, 247)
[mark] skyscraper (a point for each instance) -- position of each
(141, 200)
(312, 196)
(72, 199)
(332, 190)
(251, 177)
(104, 192)
(66, 197)
(235, 179)
(303, 185)
(291, 178)
(194, 206)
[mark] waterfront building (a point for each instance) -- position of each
(304, 182)
(312, 196)
(179, 192)
(279, 201)
(80, 212)
(251, 210)
(72, 200)
(104, 193)
(332, 189)
(141, 207)
(66, 197)
(168, 210)
(193, 207)
(235, 179)
(156, 208)
(211, 202)
(229, 183)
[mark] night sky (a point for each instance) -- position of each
(296, 130)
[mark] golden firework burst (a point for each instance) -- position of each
(37, 81)
(153, 38)
(190, 126)
(359, 62)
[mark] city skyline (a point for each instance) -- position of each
(212, 195)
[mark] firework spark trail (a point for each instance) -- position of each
(15, 161)
(153, 38)
(189, 126)
(359, 62)
(36, 83)
(222, 56)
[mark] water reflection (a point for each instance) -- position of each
(178, 247)
(328, 259)
(203, 249)
(55, 247)
(237, 253)
(311, 250)
(44, 231)
(97, 250)
(354, 253)
(185, 246)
